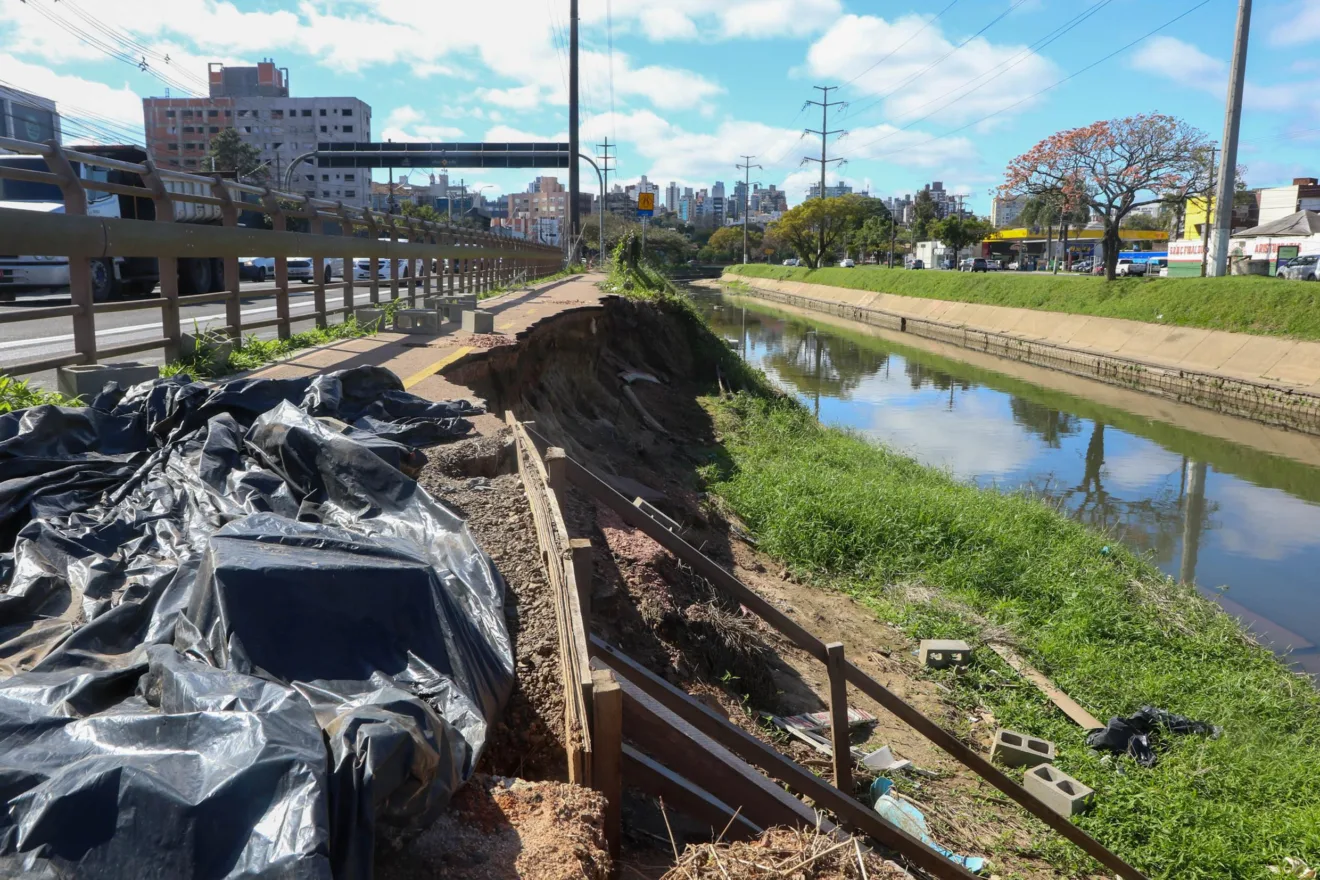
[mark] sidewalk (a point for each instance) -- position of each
(416, 359)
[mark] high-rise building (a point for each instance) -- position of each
(740, 198)
(255, 101)
(1005, 211)
(27, 117)
(671, 196)
(831, 192)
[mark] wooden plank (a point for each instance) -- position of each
(1067, 704)
(751, 749)
(678, 793)
(987, 771)
(607, 752)
(839, 717)
(681, 747)
(581, 552)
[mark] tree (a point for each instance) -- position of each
(1112, 167)
(958, 232)
(228, 153)
(1145, 221)
(923, 215)
(815, 228)
(1051, 208)
(726, 244)
(871, 237)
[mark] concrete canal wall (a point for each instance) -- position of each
(1269, 379)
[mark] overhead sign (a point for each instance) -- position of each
(646, 204)
(442, 155)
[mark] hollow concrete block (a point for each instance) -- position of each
(369, 317)
(417, 321)
(478, 321)
(1057, 790)
(87, 380)
(941, 653)
(1019, 750)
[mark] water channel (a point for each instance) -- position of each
(1229, 504)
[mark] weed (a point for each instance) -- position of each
(1244, 304)
(18, 394)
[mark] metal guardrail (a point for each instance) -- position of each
(438, 257)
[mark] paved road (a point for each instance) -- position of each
(52, 336)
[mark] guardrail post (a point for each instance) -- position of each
(347, 265)
(414, 231)
(80, 268)
(450, 262)
(278, 223)
(427, 263)
(373, 266)
(395, 268)
(233, 303)
(316, 227)
(169, 266)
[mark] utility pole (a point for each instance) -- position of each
(1228, 161)
(605, 168)
(1210, 204)
(824, 104)
(893, 236)
(747, 166)
(574, 182)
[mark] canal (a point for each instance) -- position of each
(1228, 504)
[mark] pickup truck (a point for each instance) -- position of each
(114, 276)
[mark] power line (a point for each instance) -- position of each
(1049, 38)
(1049, 87)
(609, 37)
(825, 162)
(106, 127)
(746, 166)
(128, 40)
(891, 52)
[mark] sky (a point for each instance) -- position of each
(939, 90)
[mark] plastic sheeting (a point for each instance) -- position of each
(237, 639)
(1132, 735)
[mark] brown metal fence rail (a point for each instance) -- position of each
(440, 258)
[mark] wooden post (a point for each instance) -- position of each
(607, 752)
(412, 269)
(277, 223)
(80, 268)
(838, 672)
(555, 461)
(169, 266)
(315, 226)
(582, 569)
(374, 266)
(346, 230)
(395, 269)
(450, 265)
(233, 303)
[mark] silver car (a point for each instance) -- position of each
(1301, 268)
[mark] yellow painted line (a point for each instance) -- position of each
(437, 366)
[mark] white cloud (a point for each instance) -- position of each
(977, 79)
(667, 23)
(1188, 66)
(406, 124)
(508, 134)
(713, 19)
(78, 98)
(1298, 23)
(519, 98)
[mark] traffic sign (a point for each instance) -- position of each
(646, 204)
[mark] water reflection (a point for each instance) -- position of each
(1239, 521)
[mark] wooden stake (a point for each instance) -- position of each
(834, 663)
(607, 751)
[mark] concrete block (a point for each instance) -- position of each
(1019, 750)
(1057, 790)
(417, 321)
(941, 653)
(477, 321)
(87, 380)
(368, 317)
(218, 349)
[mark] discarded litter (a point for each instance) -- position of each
(1131, 735)
(882, 760)
(236, 639)
(904, 814)
(818, 721)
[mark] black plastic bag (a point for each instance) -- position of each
(237, 639)
(1132, 735)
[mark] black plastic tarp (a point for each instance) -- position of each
(236, 640)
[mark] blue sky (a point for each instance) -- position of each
(936, 90)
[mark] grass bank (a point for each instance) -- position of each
(575, 269)
(1244, 304)
(945, 559)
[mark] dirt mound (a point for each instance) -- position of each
(502, 829)
(785, 854)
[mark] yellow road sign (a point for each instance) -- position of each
(646, 201)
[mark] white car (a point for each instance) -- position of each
(792, 261)
(1305, 268)
(1127, 267)
(261, 269)
(846, 263)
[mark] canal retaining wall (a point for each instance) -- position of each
(1269, 379)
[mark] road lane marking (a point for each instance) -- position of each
(437, 366)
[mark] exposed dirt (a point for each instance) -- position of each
(569, 378)
(473, 478)
(501, 829)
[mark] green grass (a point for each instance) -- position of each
(946, 559)
(1245, 304)
(18, 394)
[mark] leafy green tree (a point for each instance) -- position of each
(726, 244)
(923, 215)
(871, 237)
(228, 153)
(1144, 221)
(815, 228)
(959, 232)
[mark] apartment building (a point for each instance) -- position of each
(255, 101)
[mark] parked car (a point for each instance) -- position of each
(979, 265)
(1129, 268)
(256, 268)
(300, 269)
(1158, 266)
(1305, 268)
(993, 265)
(966, 264)
(917, 264)
(1083, 265)
(846, 263)
(792, 261)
